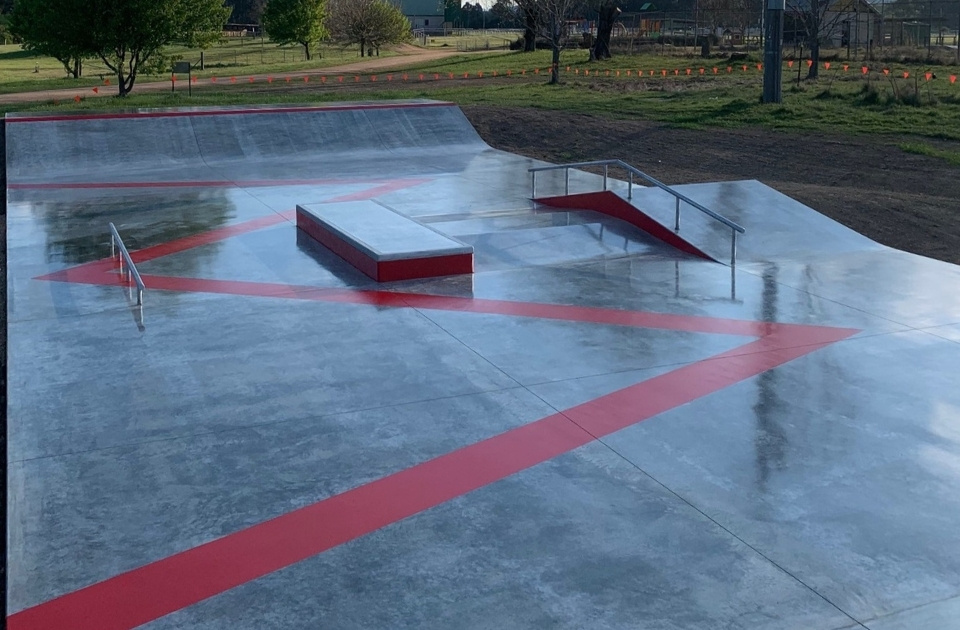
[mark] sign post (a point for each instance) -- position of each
(183, 67)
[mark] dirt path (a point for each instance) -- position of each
(407, 55)
(911, 202)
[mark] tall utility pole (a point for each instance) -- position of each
(773, 52)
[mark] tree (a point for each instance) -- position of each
(369, 23)
(246, 11)
(128, 35)
(530, 13)
(819, 20)
(607, 13)
(553, 16)
(295, 22)
(50, 28)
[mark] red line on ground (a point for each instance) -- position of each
(173, 583)
(382, 189)
(222, 112)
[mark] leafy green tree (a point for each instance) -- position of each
(295, 22)
(128, 35)
(49, 27)
(369, 23)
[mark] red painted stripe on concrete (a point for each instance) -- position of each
(253, 183)
(223, 112)
(165, 586)
(611, 204)
(212, 236)
(382, 189)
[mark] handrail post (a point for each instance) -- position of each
(605, 168)
(733, 248)
(566, 181)
(533, 184)
(677, 222)
(630, 187)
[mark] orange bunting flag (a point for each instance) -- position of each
(213, 79)
(651, 73)
(906, 75)
(886, 71)
(323, 79)
(436, 77)
(251, 79)
(568, 70)
(96, 90)
(676, 72)
(716, 70)
(586, 73)
(420, 77)
(373, 78)
(306, 79)
(233, 79)
(608, 73)
(928, 76)
(744, 68)
(480, 75)
(688, 72)
(76, 98)
(702, 70)
(845, 67)
(509, 73)
(729, 69)
(809, 62)
(790, 63)
(449, 75)
(618, 73)
(865, 70)
(466, 75)
(193, 79)
(523, 72)
(953, 78)
(405, 77)
(663, 72)
(628, 73)
(173, 78)
(269, 79)
(288, 79)
(826, 65)
(759, 66)
(340, 79)
(106, 81)
(536, 70)
(495, 72)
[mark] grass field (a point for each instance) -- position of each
(21, 70)
(839, 102)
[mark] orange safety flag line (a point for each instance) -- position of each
(928, 76)
(886, 71)
(96, 90)
(845, 67)
(864, 70)
(269, 79)
(790, 63)
(826, 65)
(702, 70)
(953, 78)
(906, 75)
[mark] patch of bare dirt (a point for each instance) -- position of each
(910, 202)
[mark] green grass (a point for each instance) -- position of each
(22, 71)
(920, 148)
(838, 103)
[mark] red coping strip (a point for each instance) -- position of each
(149, 592)
(225, 112)
(611, 204)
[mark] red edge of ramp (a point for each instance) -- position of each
(386, 270)
(611, 204)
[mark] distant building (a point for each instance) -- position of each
(845, 23)
(422, 13)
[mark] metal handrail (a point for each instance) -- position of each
(633, 171)
(116, 243)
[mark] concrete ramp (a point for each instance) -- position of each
(191, 144)
(778, 227)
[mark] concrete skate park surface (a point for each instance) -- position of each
(594, 430)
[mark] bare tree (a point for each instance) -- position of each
(553, 17)
(530, 13)
(819, 20)
(607, 13)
